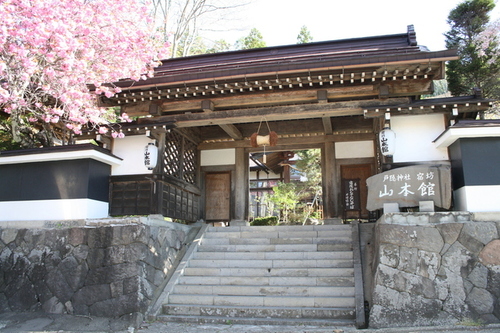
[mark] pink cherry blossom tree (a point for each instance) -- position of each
(52, 50)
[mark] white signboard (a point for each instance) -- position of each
(409, 185)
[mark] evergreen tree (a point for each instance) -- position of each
(254, 40)
(219, 46)
(304, 36)
(477, 44)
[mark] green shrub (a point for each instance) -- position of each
(268, 220)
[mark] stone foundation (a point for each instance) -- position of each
(435, 269)
(98, 270)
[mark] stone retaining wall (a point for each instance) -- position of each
(108, 271)
(435, 269)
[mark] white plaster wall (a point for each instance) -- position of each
(218, 157)
(66, 209)
(414, 137)
(477, 198)
(354, 149)
(131, 150)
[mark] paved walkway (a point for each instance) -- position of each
(42, 322)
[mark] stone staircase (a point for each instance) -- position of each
(267, 275)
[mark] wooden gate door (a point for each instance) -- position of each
(361, 172)
(217, 196)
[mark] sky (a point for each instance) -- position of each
(280, 21)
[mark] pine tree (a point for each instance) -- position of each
(477, 43)
(254, 40)
(304, 36)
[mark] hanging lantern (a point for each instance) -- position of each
(387, 140)
(150, 156)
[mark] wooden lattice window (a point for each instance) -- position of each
(180, 157)
(190, 160)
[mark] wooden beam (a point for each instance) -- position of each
(269, 98)
(231, 130)
(287, 112)
(285, 143)
(322, 96)
(207, 106)
(327, 124)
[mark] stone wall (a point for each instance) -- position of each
(435, 269)
(107, 270)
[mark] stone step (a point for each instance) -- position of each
(278, 234)
(269, 263)
(272, 241)
(267, 275)
(258, 312)
(269, 272)
(263, 301)
(277, 248)
(337, 227)
(334, 255)
(335, 281)
(329, 319)
(307, 291)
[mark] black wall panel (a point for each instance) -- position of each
(72, 179)
(475, 161)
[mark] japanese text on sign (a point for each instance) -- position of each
(409, 185)
(399, 182)
(351, 194)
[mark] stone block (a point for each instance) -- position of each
(8, 235)
(129, 234)
(456, 257)
(53, 306)
(100, 237)
(472, 244)
(116, 307)
(130, 285)
(480, 301)
(389, 255)
(426, 206)
(428, 264)
(479, 276)
(332, 221)
(116, 288)
(81, 252)
(59, 286)
(390, 278)
(24, 298)
(484, 232)
(391, 207)
(424, 238)
(89, 295)
(450, 231)
(77, 236)
(73, 273)
(408, 259)
(112, 273)
(494, 284)
(490, 254)
(4, 303)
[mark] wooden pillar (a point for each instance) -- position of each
(157, 202)
(241, 188)
(331, 190)
(286, 173)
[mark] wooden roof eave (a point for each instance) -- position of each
(452, 105)
(222, 73)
